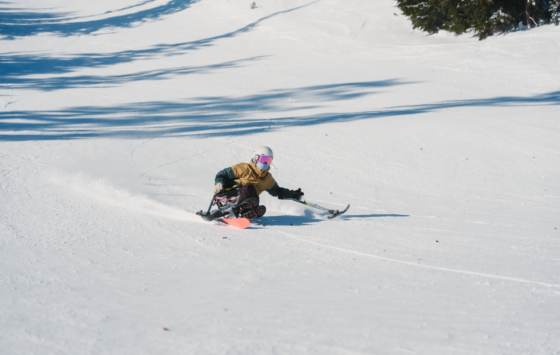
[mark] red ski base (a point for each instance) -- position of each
(240, 223)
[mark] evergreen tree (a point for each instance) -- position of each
(483, 17)
(555, 12)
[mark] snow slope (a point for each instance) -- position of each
(116, 115)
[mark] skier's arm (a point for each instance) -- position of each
(226, 177)
(283, 193)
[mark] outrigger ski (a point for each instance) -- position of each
(333, 212)
(338, 213)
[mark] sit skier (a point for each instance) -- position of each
(248, 181)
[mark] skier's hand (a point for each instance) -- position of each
(298, 194)
(285, 193)
(218, 188)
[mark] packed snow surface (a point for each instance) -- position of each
(116, 116)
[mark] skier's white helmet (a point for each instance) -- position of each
(263, 151)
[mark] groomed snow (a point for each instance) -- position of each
(116, 116)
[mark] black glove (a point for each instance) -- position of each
(285, 193)
(298, 194)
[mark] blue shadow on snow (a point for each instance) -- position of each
(306, 220)
(220, 116)
(15, 66)
(287, 220)
(20, 23)
(205, 116)
(70, 82)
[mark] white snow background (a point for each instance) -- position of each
(116, 116)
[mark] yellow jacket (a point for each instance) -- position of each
(250, 174)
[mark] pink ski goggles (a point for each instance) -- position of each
(264, 159)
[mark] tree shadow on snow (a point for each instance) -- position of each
(70, 82)
(225, 115)
(16, 66)
(200, 117)
(18, 22)
(203, 117)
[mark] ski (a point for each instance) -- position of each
(240, 223)
(338, 213)
(334, 213)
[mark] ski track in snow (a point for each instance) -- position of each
(138, 146)
(420, 265)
